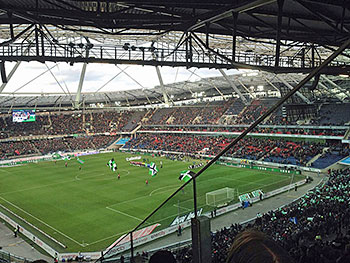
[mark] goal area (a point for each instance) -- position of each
(220, 196)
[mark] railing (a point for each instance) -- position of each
(6, 257)
(149, 56)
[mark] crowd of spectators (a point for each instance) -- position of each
(250, 114)
(252, 148)
(8, 128)
(261, 129)
(66, 123)
(211, 113)
(44, 146)
(294, 153)
(17, 148)
(314, 229)
(108, 121)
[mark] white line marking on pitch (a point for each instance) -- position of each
(179, 206)
(82, 245)
(120, 212)
(165, 187)
(117, 235)
(7, 172)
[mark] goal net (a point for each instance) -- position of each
(220, 196)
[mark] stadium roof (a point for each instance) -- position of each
(251, 84)
(279, 36)
(325, 22)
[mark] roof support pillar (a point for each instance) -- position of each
(234, 87)
(234, 35)
(80, 86)
(165, 96)
(278, 33)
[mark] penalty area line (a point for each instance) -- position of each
(125, 214)
(171, 187)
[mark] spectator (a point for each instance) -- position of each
(252, 246)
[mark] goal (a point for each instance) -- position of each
(220, 196)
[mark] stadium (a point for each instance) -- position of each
(172, 131)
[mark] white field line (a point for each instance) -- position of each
(165, 187)
(120, 212)
(175, 205)
(38, 187)
(112, 236)
(246, 191)
(246, 182)
(141, 197)
(179, 206)
(112, 177)
(39, 220)
(117, 235)
(46, 185)
(7, 172)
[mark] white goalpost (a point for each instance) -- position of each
(220, 196)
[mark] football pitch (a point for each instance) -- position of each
(88, 209)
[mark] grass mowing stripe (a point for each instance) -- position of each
(78, 207)
(42, 222)
(120, 212)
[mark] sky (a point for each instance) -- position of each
(34, 77)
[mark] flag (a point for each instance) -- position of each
(80, 161)
(112, 164)
(152, 169)
(294, 220)
(186, 175)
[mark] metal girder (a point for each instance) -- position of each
(291, 87)
(271, 84)
(278, 32)
(245, 87)
(234, 87)
(9, 76)
(165, 96)
(327, 90)
(208, 81)
(246, 6)
(334, 84)
(110, 80)
(80, 87)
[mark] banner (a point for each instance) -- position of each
(133, 158)
(135, 235)
(180, 219)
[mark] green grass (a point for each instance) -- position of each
(88, 209)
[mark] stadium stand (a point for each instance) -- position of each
(313, 229)
(196, 118)
(213, 113)
(334, 114)
(9, 149)
(44, 146)
(275, 150)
